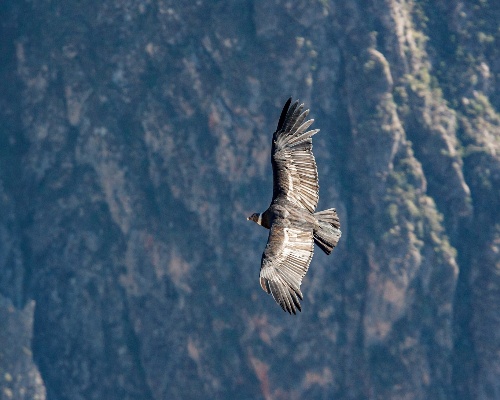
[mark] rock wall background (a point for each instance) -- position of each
(134, 141)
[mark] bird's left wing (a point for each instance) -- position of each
(295, 176)
(285, 261)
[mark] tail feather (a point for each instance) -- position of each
(327, 232)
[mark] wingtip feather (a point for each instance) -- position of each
(264, 284)
(283, 115)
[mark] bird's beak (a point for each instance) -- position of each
(248, 218)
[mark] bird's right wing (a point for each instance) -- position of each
(285, 261)
(295, 176)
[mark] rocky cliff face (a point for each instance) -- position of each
(134, 141)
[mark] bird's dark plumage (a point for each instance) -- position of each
(293, 224)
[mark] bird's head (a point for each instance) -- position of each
(255, 217)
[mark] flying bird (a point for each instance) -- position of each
(293, 224)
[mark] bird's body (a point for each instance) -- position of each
(294, 226)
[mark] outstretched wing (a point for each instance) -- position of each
(295, 176)
(285, 261)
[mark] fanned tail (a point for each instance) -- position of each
(327, 232)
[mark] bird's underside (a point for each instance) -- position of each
(294, 227)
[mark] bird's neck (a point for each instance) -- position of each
(259, 220)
